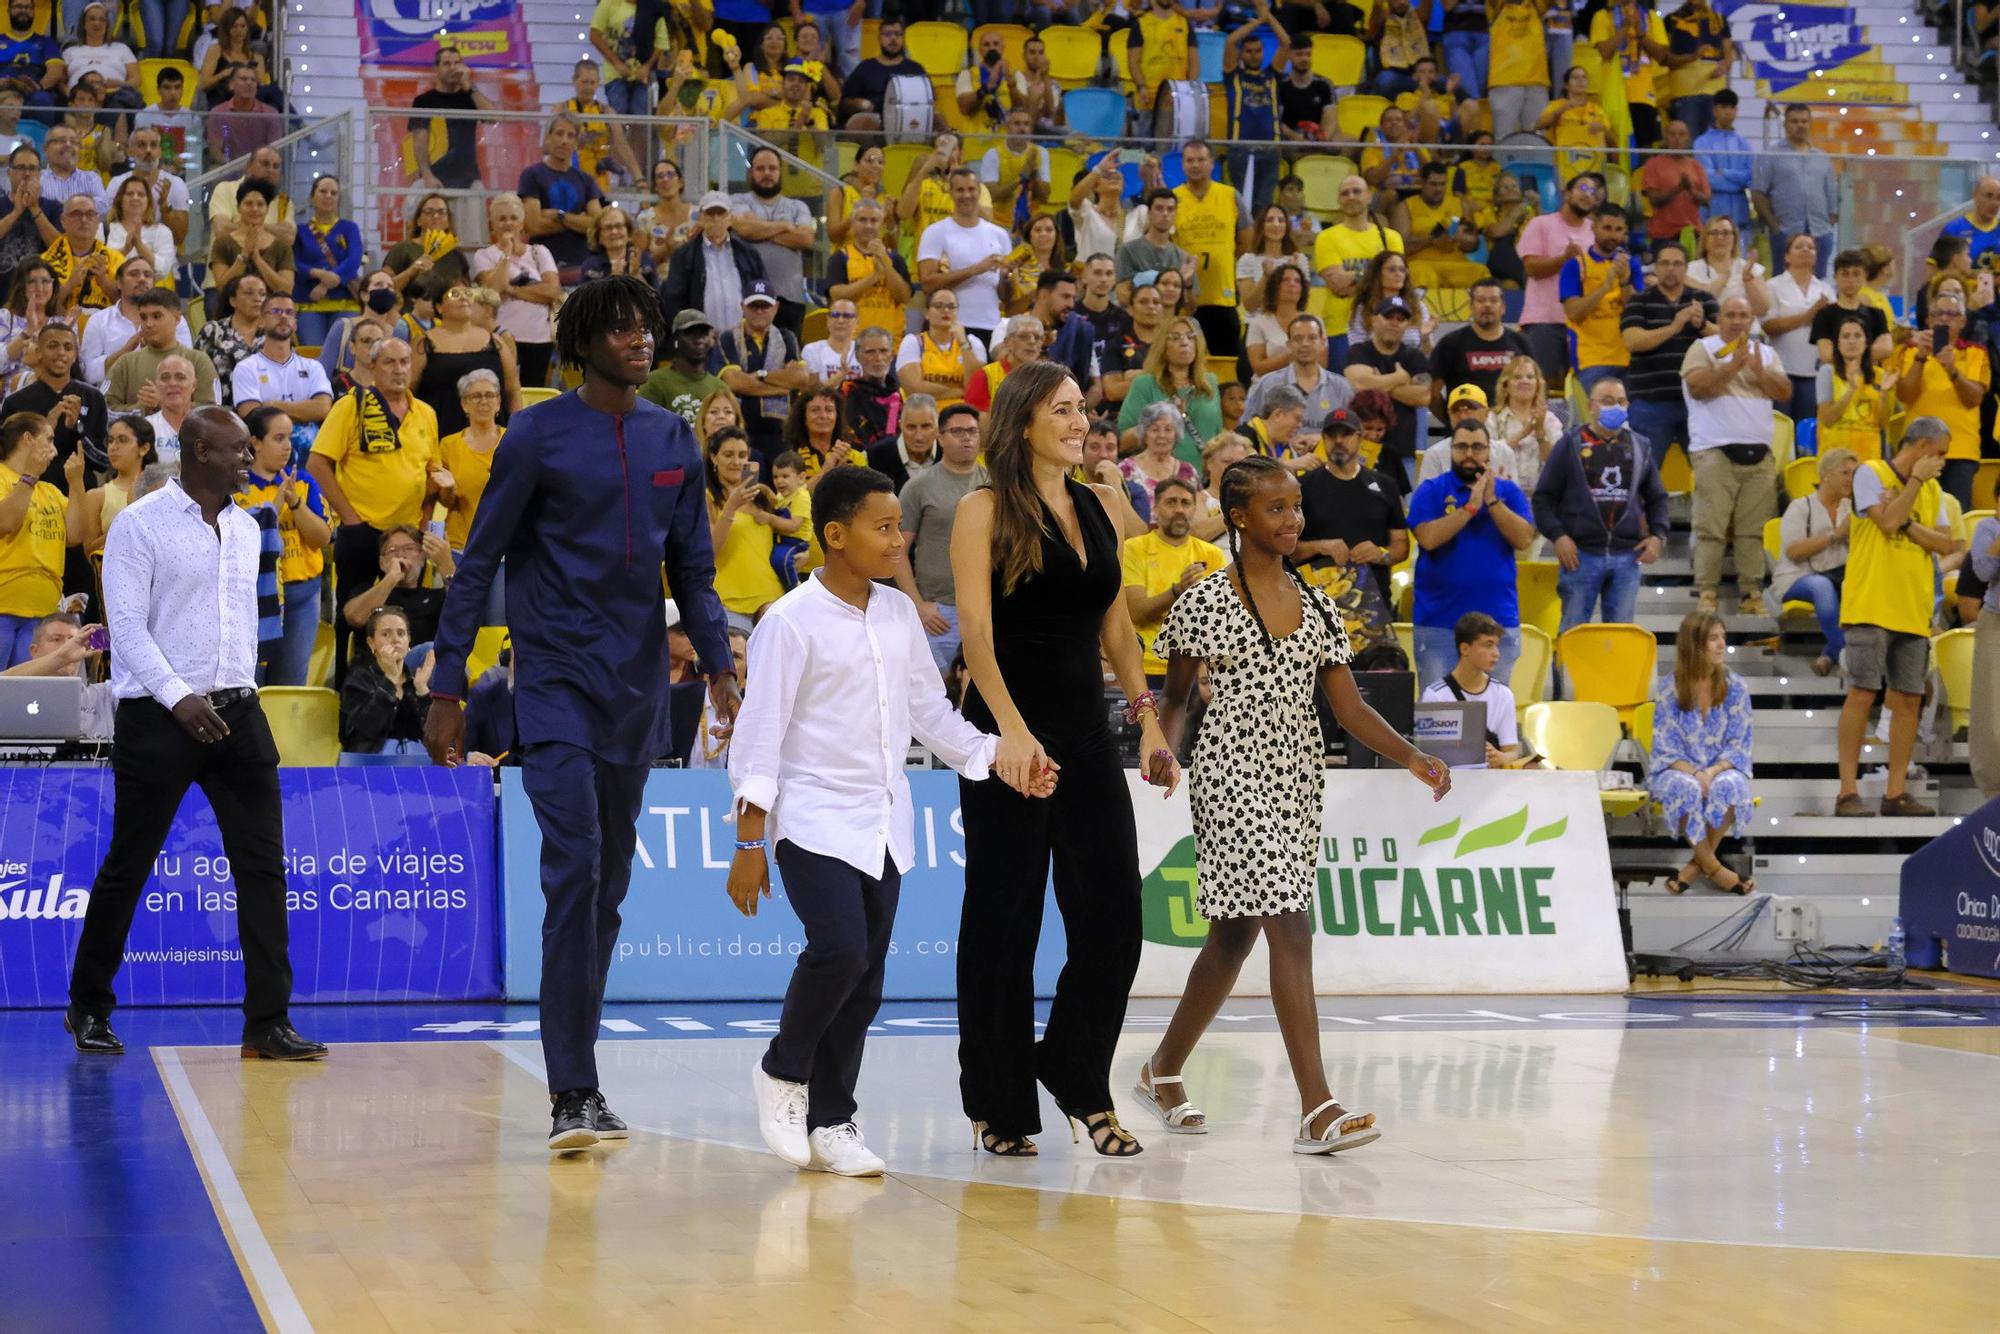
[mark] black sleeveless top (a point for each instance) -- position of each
(1045, 632)
(438, 386)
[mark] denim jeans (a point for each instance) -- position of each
(945, 647)
(1437, 653)
(292, 658)
(1562, 51)
(16, 634)
(1612, 580)
(1263, 181)
(1696, 111)
(1465, 55)
(163, 20)
(628, 97)
(1662, 422)
(1589, 377)
(1824, 594)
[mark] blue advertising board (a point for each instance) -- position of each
(1951, 897)
(1786, 44)
(490, 34)
(390, 872)
(683, 939)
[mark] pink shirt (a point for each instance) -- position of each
(526, 321)
(1545, 237)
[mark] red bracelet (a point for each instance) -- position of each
(1139, 704)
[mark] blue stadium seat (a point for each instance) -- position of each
(1210, 45)
(1096, 113)
(1541, 178)
(1805, 438)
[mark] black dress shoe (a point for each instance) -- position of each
(573, 1121)
(92, 1033)
(610, 1125)
(281, 1042)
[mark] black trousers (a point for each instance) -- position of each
(1086, 830)
(357, 565)
(533, 360)
(792, 316)
(153, 763)
(588, 810)
(836, 985)
(1221, 329)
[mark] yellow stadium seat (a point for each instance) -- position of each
(1582, 736)
(1357, 115)
(1783, 437)
(938, 47)
(1642, 729)
(305, 722)
(1406, 639)
(1540, 604)
(1984, 483)
(532, 394)
(1121, 54)
(1610, 664)
(1321, 175)
(485, 655)
(1801, 477)
(1338, 59)
(898, 161)
(1954, 518)
(871, 38)
(945, 99)
(319, 667)
(1530, 681)
(1013, 42)
(1223, 369)
(1954, 664)
(1972, 517)
(1065, 165)
(844, 154)
(149, 79)
(1073, 54)
(813, 329)
(1676, 473)
(1771, 529)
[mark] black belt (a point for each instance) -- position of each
(222, 699)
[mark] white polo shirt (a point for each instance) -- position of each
(258, 379)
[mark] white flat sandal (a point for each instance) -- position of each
(1331, 1140)
(1174, 1118)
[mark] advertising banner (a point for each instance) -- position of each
(1788, 44)
(1951, 897)
(393, 889)
(1505, 886)
(683, 939)
(491, 34)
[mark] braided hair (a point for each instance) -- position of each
(595, 306)
(1240, 481)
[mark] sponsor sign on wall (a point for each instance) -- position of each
(393, 892)
(1951, 897)
(490, 33)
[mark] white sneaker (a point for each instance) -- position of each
(838, 1149)
(781, 1116)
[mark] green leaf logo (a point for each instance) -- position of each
(1549, 831)
(1498, 834)
(1167, 902)
(1443, 831)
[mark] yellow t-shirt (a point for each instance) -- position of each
(1341, 247)
(801, 122)
(1206, 229)
(799, 505)
(1520, 56)
(1405, 163)
(31, 561)
(1580, 127)
(614, 18)
(298, 562)
(1165, 53)
(1889, 577)
(744, 579)
(383, 480)
(934, 204)
(1597, 340)
(593, 143)
(1860, 427)
(1640, 71)
(1480, 178)
(1443, 102)
(470, 470)
(1153, 564)
(1938, 399)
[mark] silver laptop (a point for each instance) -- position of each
(41, 708)
(1453, 730)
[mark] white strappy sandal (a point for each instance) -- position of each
(1333, 1139)
(1174, 1118)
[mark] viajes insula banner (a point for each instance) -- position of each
(1505, 886)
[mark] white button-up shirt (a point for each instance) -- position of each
(833, 697)
(180, 598)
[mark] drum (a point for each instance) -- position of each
(907, 108)
(1180, 111)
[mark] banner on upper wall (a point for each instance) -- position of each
(1951, 897)
(491, 34)
(683, 939)
(1506, 887)
(392, 888)
(1788, 44)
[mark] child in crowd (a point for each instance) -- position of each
(807, 770)
(788, 480)
(13, 130)
(1477, 637)
(179, 126)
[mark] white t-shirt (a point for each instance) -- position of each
(1094, 236)
(109, 60)
(258, 379)
(1795, 346)
(1741, 414)
(910, 351)
(957, 247)
(166, 440)
(827, 364)
(177, 191)
(1499, 702)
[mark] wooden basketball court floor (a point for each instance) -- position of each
(1716, 1162)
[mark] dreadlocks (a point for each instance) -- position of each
(596, 306)
(1240, 481)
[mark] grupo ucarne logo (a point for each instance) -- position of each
(1481, 881)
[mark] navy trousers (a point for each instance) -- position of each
(836, 985)
(588, 811)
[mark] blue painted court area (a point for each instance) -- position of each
(110, 1227)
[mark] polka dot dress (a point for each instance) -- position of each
(1257, 780)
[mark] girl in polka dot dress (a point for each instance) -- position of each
(1267, 639)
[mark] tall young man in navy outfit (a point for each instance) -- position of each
(591, 494)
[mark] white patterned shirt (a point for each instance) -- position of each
(180, 598)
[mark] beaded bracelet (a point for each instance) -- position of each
(749, 845)
(1143, 702)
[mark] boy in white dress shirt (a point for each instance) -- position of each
(810, 761)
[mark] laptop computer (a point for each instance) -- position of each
(1452, 730)
(41, 708)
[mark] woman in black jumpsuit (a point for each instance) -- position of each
(1035, 558)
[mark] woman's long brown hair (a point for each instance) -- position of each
(1692, 669)
(1018, 522)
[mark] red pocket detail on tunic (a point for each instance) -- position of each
(669, 477)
